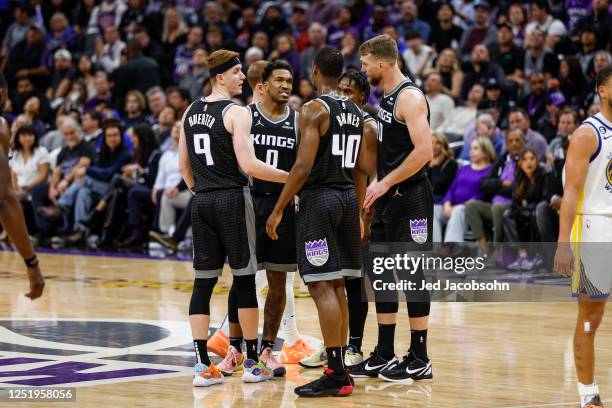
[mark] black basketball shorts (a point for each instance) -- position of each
(223, 225)
(328, 236)
(276, 255)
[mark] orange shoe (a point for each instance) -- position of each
(292, 354)
(218, 344)
(206, 376)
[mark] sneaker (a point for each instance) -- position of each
(256, 372)
(317, 359)
(352, 357)
(592, 401)
(270, 361)
(218, 344)
(205, 376)
(232, 362)
(517, 265)
(166, 241)
(292, 354)
(328, 384)
(411, 369)
(371, 366)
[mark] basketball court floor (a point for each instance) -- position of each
(116, 329)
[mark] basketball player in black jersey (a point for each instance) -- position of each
(402, 200)
(354, 85)
(329, 170)
(216, 157)
(11, 214)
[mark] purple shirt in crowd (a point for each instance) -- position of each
(507, 174)
(466, 185)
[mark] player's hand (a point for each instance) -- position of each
(37, 283)
(273, 220)
(373, 192)
(564, 259)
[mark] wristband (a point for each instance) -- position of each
(31, 262)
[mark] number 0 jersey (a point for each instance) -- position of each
(275, 143)
(339, 146)
(211, 150)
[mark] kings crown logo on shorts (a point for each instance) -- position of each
(317, 252)
(418, 230)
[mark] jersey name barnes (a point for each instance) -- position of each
(348, 118)
(203, 119)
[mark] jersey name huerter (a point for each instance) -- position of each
(394, 142)
(210, 147)
(275, 143)
(339, 146)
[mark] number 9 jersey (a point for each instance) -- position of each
(210, 146)
(275, 143)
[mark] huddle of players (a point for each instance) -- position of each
(223, 145)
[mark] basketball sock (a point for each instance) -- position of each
(225, 326)
(358, 312)
(265, 344)
(586, 392)
(418, 344)
(386, 339)
(335, 362)
(236, 342)
(288, 328)
(343, 349)
(201, 352)
(251, 349)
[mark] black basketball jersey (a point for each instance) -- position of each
(275, 143)
(211, 151)
(394, 142)
(339, 146)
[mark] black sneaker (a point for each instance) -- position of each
(594, 402)
(411, 369)
(328, 384)
(371, 366)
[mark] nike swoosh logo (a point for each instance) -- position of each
(607, 137)
(368, 367)
(409, 371)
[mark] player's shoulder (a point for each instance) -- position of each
(410, 93)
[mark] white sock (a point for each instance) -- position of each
(587, 391)
(225, 326)
(288, 326)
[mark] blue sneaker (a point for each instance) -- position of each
(256, 371)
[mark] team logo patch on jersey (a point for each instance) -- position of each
(317, 252)
(418, 230)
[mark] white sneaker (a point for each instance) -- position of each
(352, 357)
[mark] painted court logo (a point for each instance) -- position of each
(418, 230)
(317, 252)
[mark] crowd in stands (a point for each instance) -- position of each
(97, 89)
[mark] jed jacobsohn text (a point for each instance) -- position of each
(411, 264)
(446, 284)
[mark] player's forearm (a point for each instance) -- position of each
(361, 184)
(11, 217)
(295, 181)
(263, 171)
(414, 162)
(188, 177)
(567, 214)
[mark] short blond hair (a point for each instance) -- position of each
(381, 47)
(255, 73)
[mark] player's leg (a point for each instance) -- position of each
(358, 312)
(273, 313)
(590, 314)
(295, 348)
(208, 262)
(239, 239)
(233, 359)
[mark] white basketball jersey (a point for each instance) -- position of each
(596, 198)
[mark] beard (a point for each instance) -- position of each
(374, 80)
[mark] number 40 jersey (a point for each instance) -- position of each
(275, 143)
(339, 146)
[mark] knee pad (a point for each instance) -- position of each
(200, 296)
(387, 307)
(418, 309)
(232, 305)
(245, 290)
